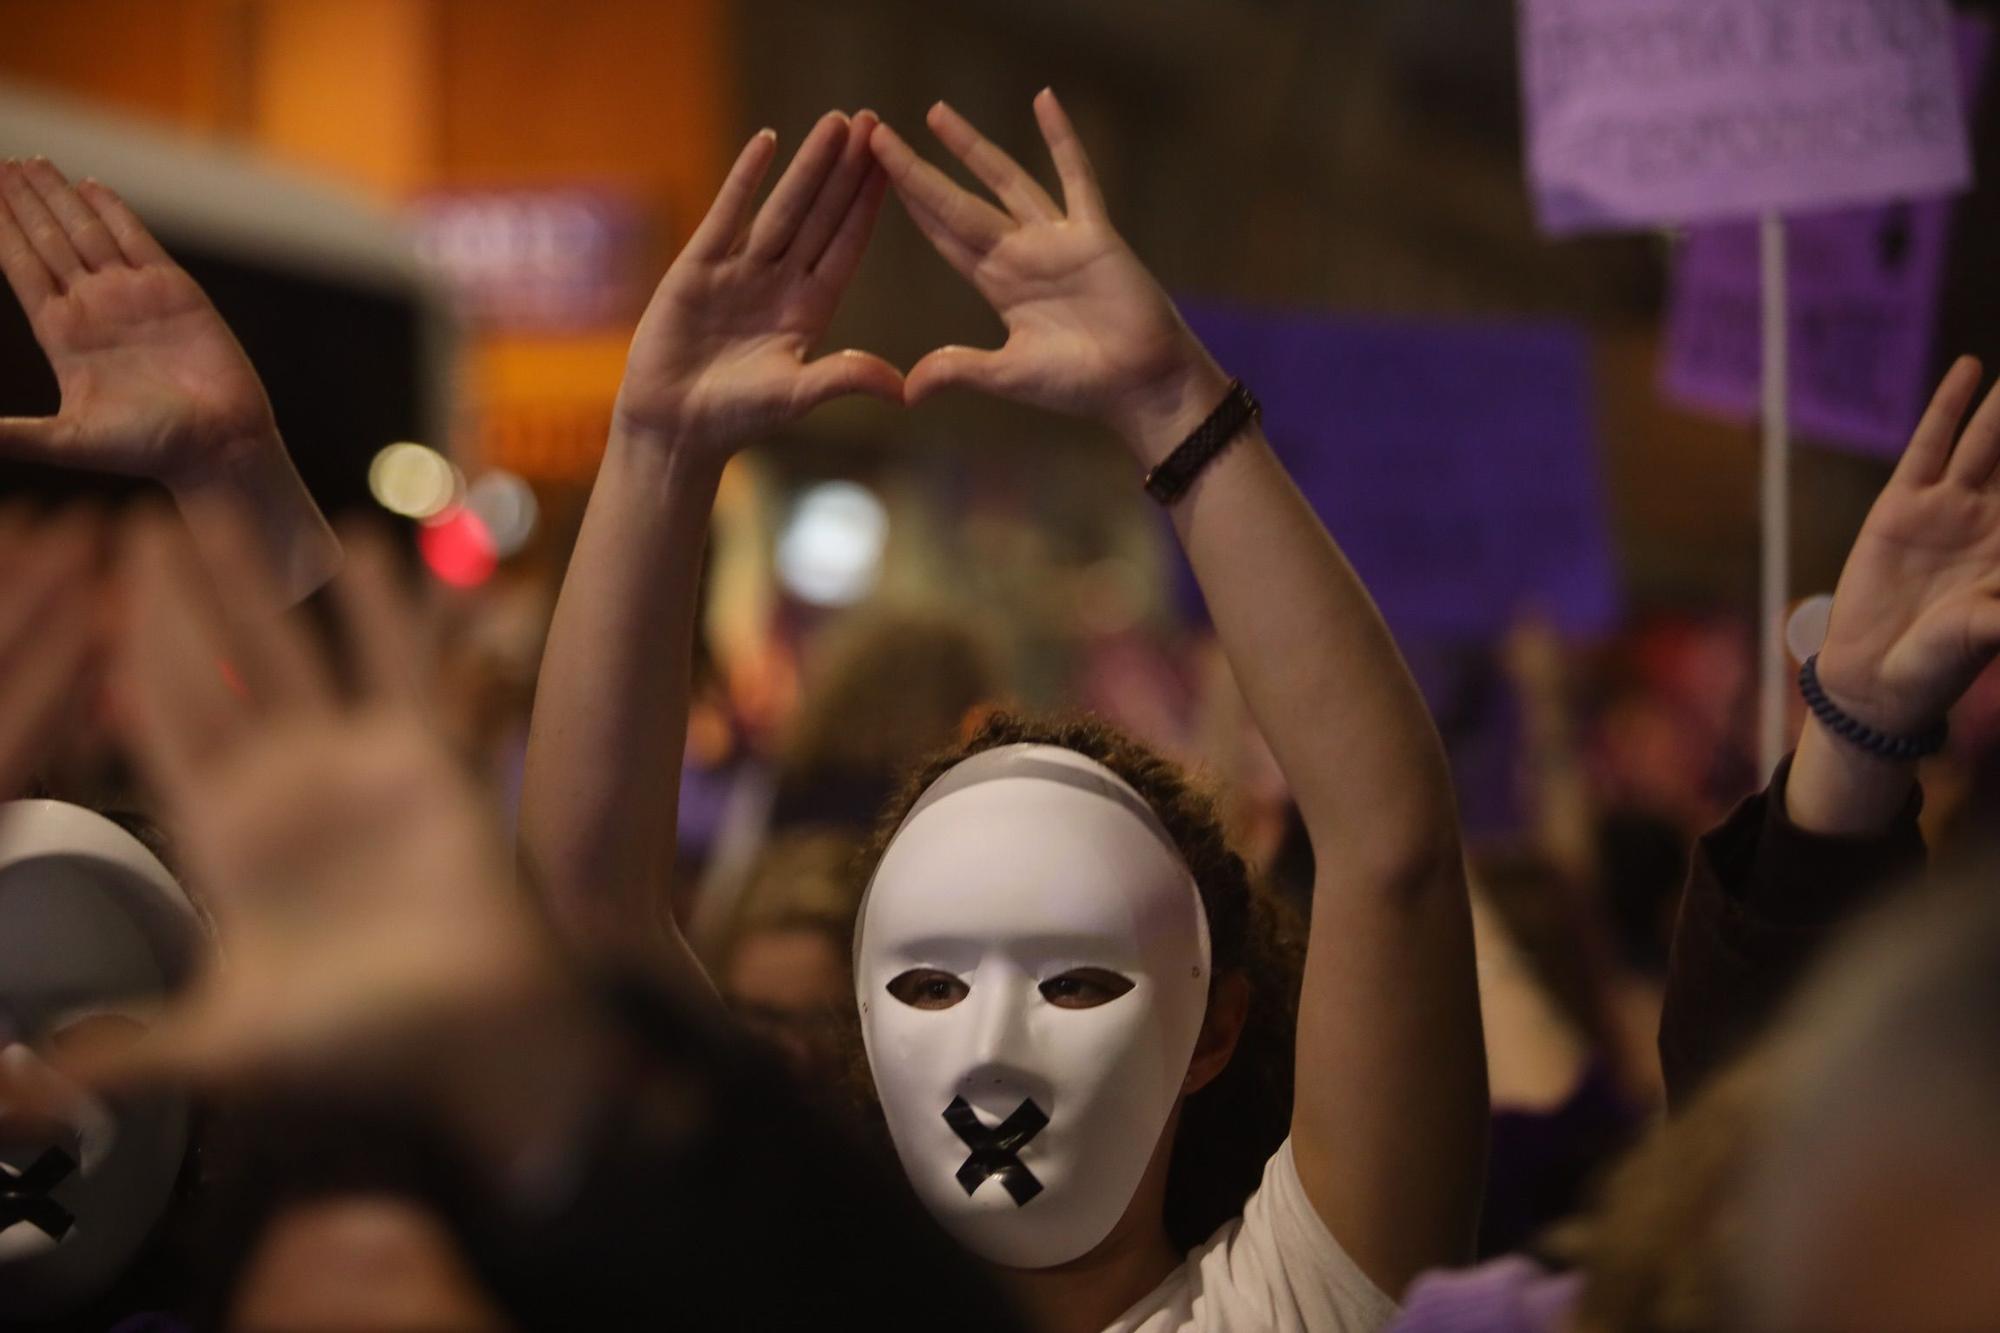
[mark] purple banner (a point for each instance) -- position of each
(1863, 291)
(1647, 112)
(1456, 464)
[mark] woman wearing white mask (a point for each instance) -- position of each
(1054, 957)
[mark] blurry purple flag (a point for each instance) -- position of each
(1864, 286)
(1643, 112)
(1455, 463)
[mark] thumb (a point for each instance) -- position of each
(30, 439)
(961, 367)
(838, 374)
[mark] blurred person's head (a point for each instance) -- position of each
(883, 688)
(785, 965)
(94, 932)
(1079, 1014)
(1657, 1253)
(1876, 1202)
(351, 1261)
(326, 1216)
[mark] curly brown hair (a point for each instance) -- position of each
(1230, 1128)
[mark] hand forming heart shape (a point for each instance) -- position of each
(722, 354)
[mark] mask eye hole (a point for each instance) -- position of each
(928, 988)
(1084, 988)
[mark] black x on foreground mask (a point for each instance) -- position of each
(93, 930)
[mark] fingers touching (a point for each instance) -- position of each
(959, 367)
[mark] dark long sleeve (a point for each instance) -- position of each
(1764, 897)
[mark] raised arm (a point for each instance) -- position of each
(720, 358)
(1388, 1124)
(1916, 615)
(1916, 618)
(153, 383)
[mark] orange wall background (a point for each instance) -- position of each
(398, 97)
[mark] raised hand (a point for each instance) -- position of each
(1089, 331)
(49, 609)
(153, 383)
(371, 936)
(721, 354)
(1916, 615)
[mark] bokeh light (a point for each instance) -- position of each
(413, 480)
(506, 505)
(830, 552)
(457, 548)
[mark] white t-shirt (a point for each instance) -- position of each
(1275, 1268)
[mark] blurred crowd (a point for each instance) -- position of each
(376, 956)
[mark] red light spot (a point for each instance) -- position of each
(457, 548)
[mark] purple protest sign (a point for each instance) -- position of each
(1457, 466)
(1642, 112)
(1455, 463)
(1862, 302)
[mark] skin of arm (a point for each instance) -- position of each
(153, 383)
(1390, 1113)
(1916, 615)
(720, 359)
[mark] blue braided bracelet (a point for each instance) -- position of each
(1858, 733)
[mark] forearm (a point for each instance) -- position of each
(602, 779)
(1389, 1111)
(1318, 669)
(262, 487)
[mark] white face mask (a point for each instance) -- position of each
(92, 929)
(1031, 961)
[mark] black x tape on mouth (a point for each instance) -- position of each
(994, 1150)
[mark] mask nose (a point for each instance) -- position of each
(1000, 1043)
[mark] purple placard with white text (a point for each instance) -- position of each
(1644, 112)
(1456, 464)
(1862, 300)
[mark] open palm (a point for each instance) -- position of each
(1089, 331)
(153, 383)
(721, 354)
(1916, 616)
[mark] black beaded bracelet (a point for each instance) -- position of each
(1858, 733)
(1176, 472)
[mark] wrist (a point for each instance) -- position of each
(1860, 694)
(1155, 417)
(1838, 790)
(661, 455)
(256, 481)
